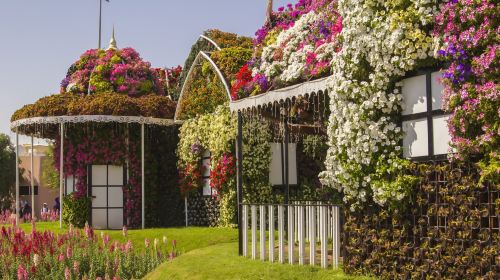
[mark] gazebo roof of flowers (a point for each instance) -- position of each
(112, 85)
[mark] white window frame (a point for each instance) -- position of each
(428, 115)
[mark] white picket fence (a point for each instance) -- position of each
(296, 224)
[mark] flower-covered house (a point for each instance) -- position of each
(114, 135)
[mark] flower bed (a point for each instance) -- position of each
(7, 217)
(76, 254)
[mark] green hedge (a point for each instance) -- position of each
(76, 210)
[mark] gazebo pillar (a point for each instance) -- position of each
(17, 177)
(32, 184)
(61, 174)
(143, 220)
(239, 182)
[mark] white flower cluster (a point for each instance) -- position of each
(286, 58)
(381, 41)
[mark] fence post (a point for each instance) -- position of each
(271, 233)
(300, 215)
(296, 224)
(324, 238)
(336, 237)
(312, 236)
(291, 234)
(254, 232)
(262, 211)
(245, 230)
(281, 233)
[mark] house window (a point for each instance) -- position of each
(205, 175)
(26, 190)
(70, 184)
(276, 169)
(423, 122)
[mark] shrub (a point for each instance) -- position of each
(76, 210)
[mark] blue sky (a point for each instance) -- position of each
(39, 39)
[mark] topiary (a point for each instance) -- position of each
(76, 210)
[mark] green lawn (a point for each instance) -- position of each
(209, 253)
(221, 261)
(187, 238)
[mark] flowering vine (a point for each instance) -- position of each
(471, 45)
(102, 147)
(381, 41)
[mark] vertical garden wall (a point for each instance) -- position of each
(404, 219)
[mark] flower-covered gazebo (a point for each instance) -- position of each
(110, 101)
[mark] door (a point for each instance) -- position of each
(107, 196)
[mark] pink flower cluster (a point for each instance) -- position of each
(7, 217)
(472, 92)
(75, 254)
(121, 71)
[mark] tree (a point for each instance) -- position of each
(50, 176)
(7, 171)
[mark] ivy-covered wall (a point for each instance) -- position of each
(203, 210)
(164, 203)
(449, 231)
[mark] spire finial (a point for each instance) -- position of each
(112, 42)
(269, 12)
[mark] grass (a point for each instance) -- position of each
(221, 261)
(187, 238)
(209, 253)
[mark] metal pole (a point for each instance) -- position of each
(100, 14)
(285, 131)
(17, 177)
(186, 209)
(32, 183)
(143, 178)
(61, 174)
(239, 181)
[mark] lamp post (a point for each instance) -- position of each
(100, 21)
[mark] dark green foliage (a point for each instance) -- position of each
(164, 204)
(256, 161)
(450, 232)
(50, 176)
(203, 210)
(76, 210)
(7, 171)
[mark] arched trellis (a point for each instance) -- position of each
(202, 55)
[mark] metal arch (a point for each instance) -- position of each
(221, 76)
(188, 76)
(217, 70)
(211, 41)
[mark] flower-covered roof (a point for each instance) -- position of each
(111, 82)
(112, 70)
(297, 45)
